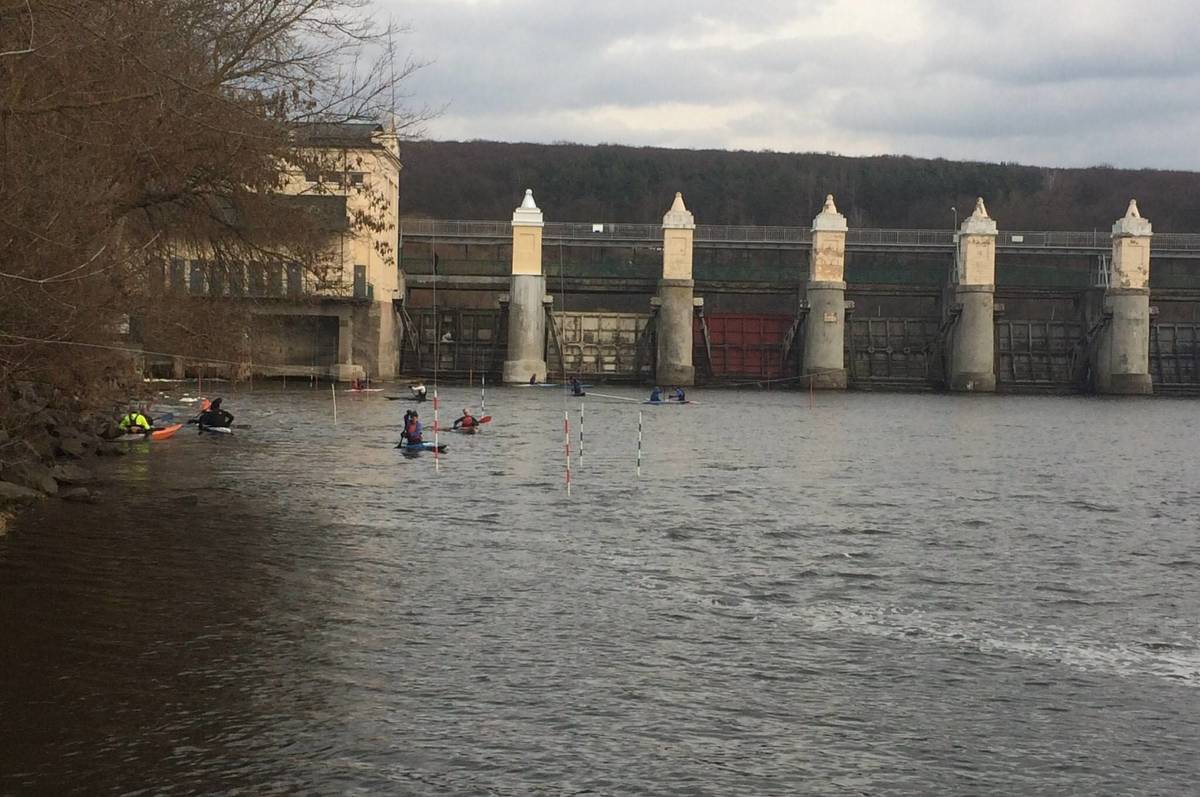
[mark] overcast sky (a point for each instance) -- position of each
(1047, 82)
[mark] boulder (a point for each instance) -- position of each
(78, 495)
(16, 494)
(72, 445)
(112, 450)
(32, 475)
(68, 473)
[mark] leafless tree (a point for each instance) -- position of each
(132, 128)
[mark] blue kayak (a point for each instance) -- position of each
(423, 446)
(668, 401)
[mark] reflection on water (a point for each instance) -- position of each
(913, 594)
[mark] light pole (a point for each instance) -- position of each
(954, 210)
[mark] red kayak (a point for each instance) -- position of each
(165, 432)
(156, 434)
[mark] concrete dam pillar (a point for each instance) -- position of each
(676, 291)
(1122, 364)
(526, 317)
(972, 360)
(825, 325)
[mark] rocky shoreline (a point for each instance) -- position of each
(50, 449)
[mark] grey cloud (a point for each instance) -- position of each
(1055, 83)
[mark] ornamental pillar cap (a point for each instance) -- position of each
(528, 215)
(1132, 224)
(979, 222)
(679, 217)
(829, 220)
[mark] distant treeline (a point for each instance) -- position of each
(607, 183)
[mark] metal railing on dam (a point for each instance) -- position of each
(708, 236)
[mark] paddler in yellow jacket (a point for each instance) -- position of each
(134, 422)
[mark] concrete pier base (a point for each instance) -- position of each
(825, 335)
(1122, 355)
(526, 330)
(347, 372)
(1122, 362)
(973, 341)
(674, 360)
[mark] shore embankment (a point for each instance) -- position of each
(51, 444)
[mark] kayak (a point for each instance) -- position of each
(466, 429)
(216, 429)
(155, 434)
(364, 390)
(166, 431)
(669, 401)
(423, 446)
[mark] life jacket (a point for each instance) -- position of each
(413, 430)
(467, 421)
(134, 419)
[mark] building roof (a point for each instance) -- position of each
(340, 134)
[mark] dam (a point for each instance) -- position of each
(976, 308)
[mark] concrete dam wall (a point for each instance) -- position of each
(972, 309)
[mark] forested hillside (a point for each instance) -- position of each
(572, 182)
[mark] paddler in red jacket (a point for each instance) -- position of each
(467, 421)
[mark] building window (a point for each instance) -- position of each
(295, 279)
(196, 281)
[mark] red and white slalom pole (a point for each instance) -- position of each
(437, 462)
(639, 447)
(567, 447)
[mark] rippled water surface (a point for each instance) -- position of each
(878, 594)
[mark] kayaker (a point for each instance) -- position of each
(576, 388)
(404, 426)
(656, 394)
(215, 417)
(679, 395)
(135, 421)
(412, 430)
(418, 392)
(533, 379)
(467, 421)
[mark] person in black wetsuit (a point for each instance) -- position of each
(215, 417)
(576, 388)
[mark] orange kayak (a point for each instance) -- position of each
(165, 432)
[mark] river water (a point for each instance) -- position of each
(869, 594)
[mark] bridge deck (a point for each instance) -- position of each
(1175, 245)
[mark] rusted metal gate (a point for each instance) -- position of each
(743, 346)
(468, 343)
(1175, 355)
(1038, 353)
(891, 351)
(603, 344)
